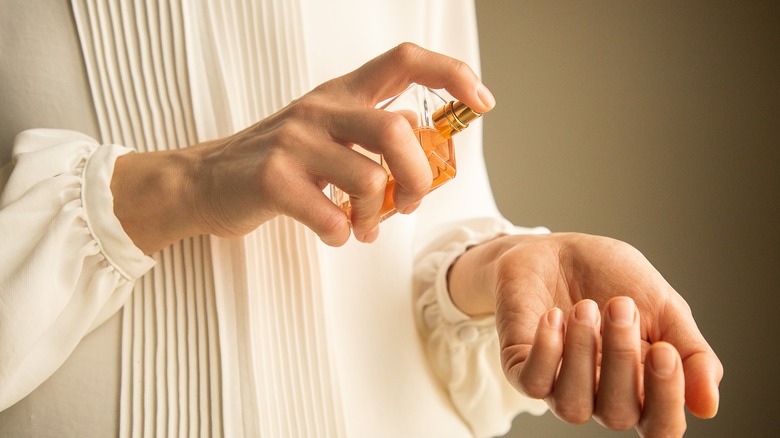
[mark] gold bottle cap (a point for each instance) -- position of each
(453, 118)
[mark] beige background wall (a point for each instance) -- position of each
(657, 123)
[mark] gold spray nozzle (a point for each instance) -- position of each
(453, 118)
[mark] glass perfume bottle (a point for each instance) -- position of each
(434, 122)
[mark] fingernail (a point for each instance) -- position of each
(410, 208)
(663, 361)
(622, 312)
(485, 96)
(587, 311)
(371, 235)
(554, 318)
(716, 405)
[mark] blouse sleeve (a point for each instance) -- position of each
(66, 264)
(464, 351)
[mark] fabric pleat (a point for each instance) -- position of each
(221, 337)
(250, 62)
(137, 68)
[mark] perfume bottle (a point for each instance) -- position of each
(434, 122)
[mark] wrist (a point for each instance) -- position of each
(153, 197)
(472, 277)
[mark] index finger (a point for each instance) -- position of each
(389, 134)
(392, 72)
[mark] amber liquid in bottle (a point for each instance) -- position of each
(438, 151)
(435, 137)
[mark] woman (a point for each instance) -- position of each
(278, 333)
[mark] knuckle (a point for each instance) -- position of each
(324, 88)
(417, 185)
(282, 133)
(664, 427)
(288, 134)
(331, 229)
(394, 128)
(669, 431)
(420, 183)
(533, 386)
(273, 170)
(304, 107)
(574, 413)
(273, 163)
(620, 248)
(459, 67)
(622, 353)
(406, 52)
(512, 360)
(310, 109)
(374, 180)
(618, 419)
(396, 136)
(370, 181)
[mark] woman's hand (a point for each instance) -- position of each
(637, 362)
(280, 166)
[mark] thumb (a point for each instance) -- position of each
(392, 72)
(703, 370)
(703, 373)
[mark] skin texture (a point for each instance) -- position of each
(280, 165)
(585, 322)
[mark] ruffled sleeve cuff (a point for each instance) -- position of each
(67, 264)
(98, 202)
(464, 351)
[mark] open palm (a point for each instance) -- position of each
(587, 324)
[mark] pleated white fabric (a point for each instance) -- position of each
(137, 71)
(216, 321)
(249, 63)
(247, 60)
(171, 384)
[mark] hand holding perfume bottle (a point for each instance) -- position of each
(434, 121)
(281, 164)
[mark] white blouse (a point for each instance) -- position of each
(273, 334)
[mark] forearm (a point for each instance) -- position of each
(154, 197)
